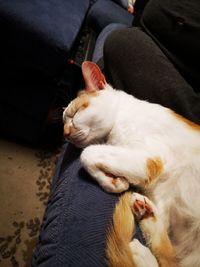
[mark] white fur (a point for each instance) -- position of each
(133, 131)
(142, 255)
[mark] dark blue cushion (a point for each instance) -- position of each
(76, 220)
(40, 34)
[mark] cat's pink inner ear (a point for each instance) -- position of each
(94, 78)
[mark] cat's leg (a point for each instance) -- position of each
(101, 161)
(97, 160)
(153, 230)
(115, 167)
(142, 256)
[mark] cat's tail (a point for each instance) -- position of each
(120, 234)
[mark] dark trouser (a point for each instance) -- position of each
(134, 63)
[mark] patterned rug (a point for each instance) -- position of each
(25, 176)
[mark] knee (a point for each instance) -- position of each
(125, 43)
(113, 38)
(114, 43)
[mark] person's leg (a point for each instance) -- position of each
(134, 63)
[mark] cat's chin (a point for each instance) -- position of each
(84, 143)
(80, 143)
(80, 138)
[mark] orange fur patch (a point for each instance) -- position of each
(189, 123)
(67, 130)
(154, 168)
(80, 102)
(164, 251)
(120, 234)
(93, 93)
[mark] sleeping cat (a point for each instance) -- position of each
(129, 141)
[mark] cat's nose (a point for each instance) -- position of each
(67, 131)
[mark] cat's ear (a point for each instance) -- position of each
(94, 78)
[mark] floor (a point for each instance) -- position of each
(25, 175)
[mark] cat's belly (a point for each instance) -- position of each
(185, 236)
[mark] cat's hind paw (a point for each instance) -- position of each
(142, 207)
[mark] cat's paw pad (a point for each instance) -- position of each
(116, 184)
(120, 184)
(142, 207)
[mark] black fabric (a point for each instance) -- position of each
(175, 26)
(77, 218)
(134, 63)
(140, 5)
(138, 10)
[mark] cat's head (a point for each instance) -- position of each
(89, 118)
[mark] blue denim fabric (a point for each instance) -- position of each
(76, 219)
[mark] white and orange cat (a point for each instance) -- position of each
(128, 141)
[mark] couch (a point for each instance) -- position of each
(39, 41)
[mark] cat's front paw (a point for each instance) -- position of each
(91, 160)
